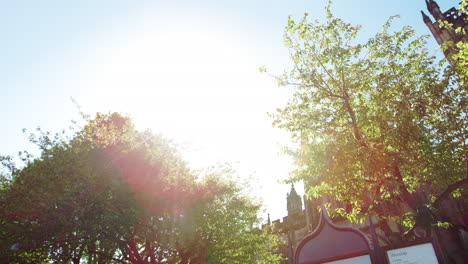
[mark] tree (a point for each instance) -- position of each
(382, 128)
(111, 194)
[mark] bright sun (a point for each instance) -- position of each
(198, 87)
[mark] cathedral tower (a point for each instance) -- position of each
(294, 202)
(445, 34)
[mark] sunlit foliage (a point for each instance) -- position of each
(382, 128)
(108, 193)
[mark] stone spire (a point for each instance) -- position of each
(426, 19)
(294, 202)
(434, 9)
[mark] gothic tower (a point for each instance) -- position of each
(294, 202)
(445, 34)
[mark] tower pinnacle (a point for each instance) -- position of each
(426, 19)
(294, 202)
(434, 9)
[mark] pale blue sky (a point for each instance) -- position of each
(186, 69)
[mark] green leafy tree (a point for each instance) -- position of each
(233, 214)
(111, 194)
(381, 127)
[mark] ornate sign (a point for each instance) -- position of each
(333, 244)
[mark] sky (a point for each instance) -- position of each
(185, 69)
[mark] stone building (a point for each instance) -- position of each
(293, 227)
(445, 34)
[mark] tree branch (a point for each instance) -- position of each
(407, 197)
(445, 194)
(357, 133)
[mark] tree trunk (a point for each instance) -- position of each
(407, 197)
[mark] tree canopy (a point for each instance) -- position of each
(382, 126)
(108, 193)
